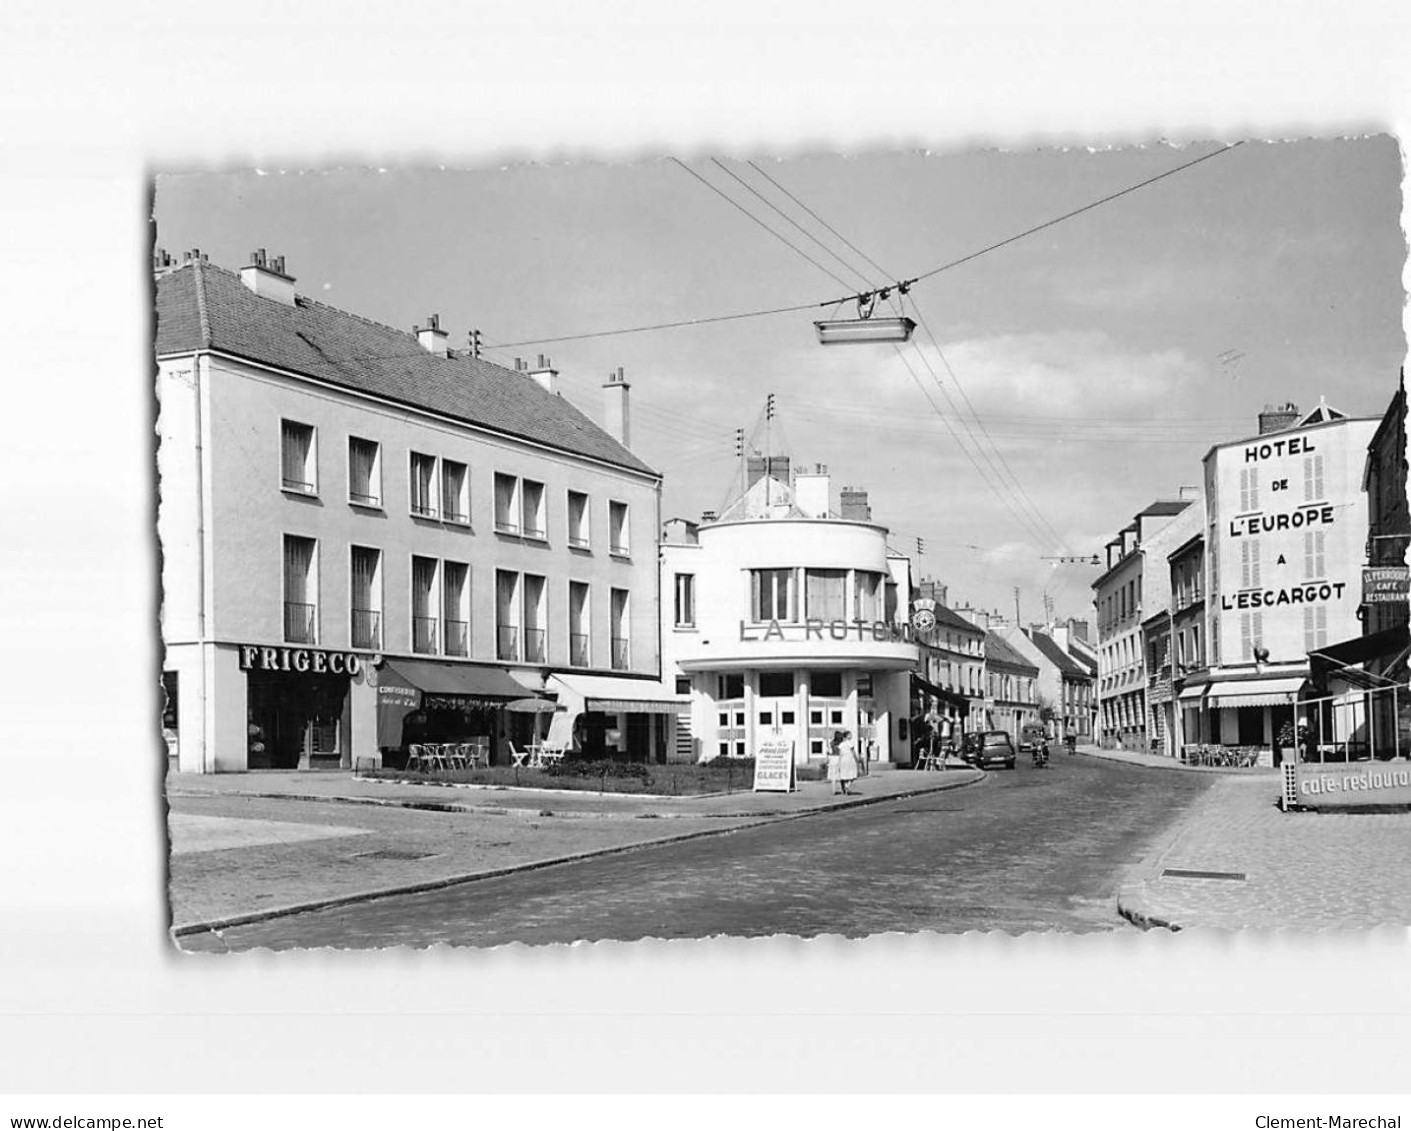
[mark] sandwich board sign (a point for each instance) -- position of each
(774, 765)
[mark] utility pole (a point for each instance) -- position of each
(1017, 621)
(768, 446)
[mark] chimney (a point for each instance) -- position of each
(1277, 417)
(852, 505)
(1188, 492)
(266, 277)
(431, 336)
(163, 262)
(811, 492)
(546, 375)
(615, 410)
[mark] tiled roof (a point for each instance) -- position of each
(200, 306)
(998, 651)
(951, 619)
(1056, 655)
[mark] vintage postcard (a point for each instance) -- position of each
(744, 545)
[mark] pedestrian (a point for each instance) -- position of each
(842, 762)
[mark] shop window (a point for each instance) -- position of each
(731, 685)
(776, 685)
(739, 749)
(826, 685)
(725, 750)
(835, 718)
(723, 719)
(578, 520)
(766, 718)
(455, 492)
(786, 718)
(683, 685)
(364, 472)
(815, 747)
(864, 683)
(170, 685)
(535, 525)
(815, 718)
(739, 718)
(298, 461)
(422, 485)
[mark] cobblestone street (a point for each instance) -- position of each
(1025, 850)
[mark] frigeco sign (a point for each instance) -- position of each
(255, 657)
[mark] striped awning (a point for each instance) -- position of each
(1277, 692)
(1191, 694)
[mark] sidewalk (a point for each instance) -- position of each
(1241, 862)
(253, 846)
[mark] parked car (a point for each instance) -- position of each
(995, 746)
(970, 746)
(1031, 737)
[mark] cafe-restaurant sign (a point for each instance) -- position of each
(255, 657)
(1352, 785)
(1385, 584)
(774, 765)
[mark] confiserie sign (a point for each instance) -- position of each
(1354, 784)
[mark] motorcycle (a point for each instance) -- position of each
(1041, 756)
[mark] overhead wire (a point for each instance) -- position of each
(782, 239)
(1022, 499)
(770, 204)
(951, 264)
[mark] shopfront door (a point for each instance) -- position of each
(776, 710)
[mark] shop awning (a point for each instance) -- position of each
(612, 695)
(1336, 660)
(926, 687)
(1191, 694)
(403, 685)
(1278, 691)
(467, 680)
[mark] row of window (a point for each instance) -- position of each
(1124, 602)
(440, 606)
(730, 686)
(1312, 483)
(796, 594)
(438, 490)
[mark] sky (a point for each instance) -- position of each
(1055, 386)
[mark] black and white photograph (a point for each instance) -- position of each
(731, 545)
(731, 565)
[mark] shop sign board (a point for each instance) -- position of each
(1385, 584)
(256, 657)
(1353, 785)
(774, 765)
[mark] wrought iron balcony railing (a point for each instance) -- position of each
(298, 623)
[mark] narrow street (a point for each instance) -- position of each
(1025, 850)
